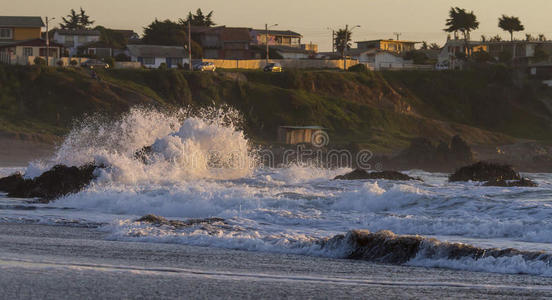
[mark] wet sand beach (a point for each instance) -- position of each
(58, 262)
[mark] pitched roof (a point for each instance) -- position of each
(156, 51)
(280, 32)
(31, 43)
(15, 21)
(77, 32)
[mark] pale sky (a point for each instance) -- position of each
(419, 20)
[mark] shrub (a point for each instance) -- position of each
(60, 63)
(110, 61)
(482, 56)
(122, 57)
(39, 61)
(358, 68)
(73, 62)
(163, 66)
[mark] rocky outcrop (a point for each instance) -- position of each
(363, 174)
(493, 174)
(388, 247)
(159, 221)
(484, 171)
(54, 183)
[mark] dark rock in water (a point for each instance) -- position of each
(523, 182)
(483, 171)
(158, 220)
(387, 247)
(56, 182)
(362, 174)
(9, 182)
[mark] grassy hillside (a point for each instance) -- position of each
(384, 110)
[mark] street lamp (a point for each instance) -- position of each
(48, 40)
(345, 45)
(333, 38)
(266, 39)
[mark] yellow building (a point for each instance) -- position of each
(21, 40)
(14, 28)
(396, 46)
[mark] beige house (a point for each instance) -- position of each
(396, 46)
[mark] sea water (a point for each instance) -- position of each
(201, 165)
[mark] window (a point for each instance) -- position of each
(27, 51)
(149, 60)
(6, 33)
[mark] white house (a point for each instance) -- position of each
(152, 56)
(72, 39)
(376, 59)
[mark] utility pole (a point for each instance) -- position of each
(190, 44)
(266, 42)
(345, 46)
(333, 41)
(48, 42)
(397, 34)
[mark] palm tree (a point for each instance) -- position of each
(463, 21)
(510, 24)
(343, 40)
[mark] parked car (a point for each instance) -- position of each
(441, 66)
(94, 64)
(273, 67)
(205, 66)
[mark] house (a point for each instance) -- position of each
(376, 59)
(19, 52)
(13, 28)
(152, 56)
(224, 42)
(20, 38)
(73, 39)
(455, 48)
(287, 38)
(312, 48)
(298, 134)
(287, 52)
(99, 49)
(396, 46)
(521, 51)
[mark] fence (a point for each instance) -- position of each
(286, 63)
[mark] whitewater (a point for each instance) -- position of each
(198, 165)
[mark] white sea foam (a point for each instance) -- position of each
(201, 165)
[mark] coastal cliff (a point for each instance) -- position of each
(381, 110)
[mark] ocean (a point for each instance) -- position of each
(202, 166)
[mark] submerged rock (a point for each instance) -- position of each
(158, 220)
(387, 247)
(56, 182)
(484, 171)
(523, 182)
(363, 174)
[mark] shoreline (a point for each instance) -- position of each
(58, 259)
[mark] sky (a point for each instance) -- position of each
(418, 20)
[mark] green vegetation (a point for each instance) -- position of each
(510, 24)
(384, 110)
